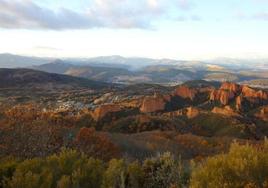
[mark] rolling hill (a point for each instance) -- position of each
(18, 61)
(122, 70)
(32, 78)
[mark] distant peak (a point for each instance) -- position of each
(58, 61)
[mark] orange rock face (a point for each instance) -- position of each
(252, 93)
(228, 91)
(222, 95)
(238, 102)
(185, 92)
(263, 113)
(154, 103)
(192, 112)
(103, 110)
(248, 92)
(134, 103)
(235, 88)
(227, 111)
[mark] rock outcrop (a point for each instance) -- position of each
(154, 103)
(190, 112)
(221, 95)
(185, 92)
(132, 103)
(103, 98)
(263, 113)
(252, 93)
(101, 111)
(232, 87)
(242, 94)
(239, 103)
(226, 111)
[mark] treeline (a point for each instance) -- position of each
(242, 166)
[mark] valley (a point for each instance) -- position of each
(198, 111)
(86, 112)
(133, 94)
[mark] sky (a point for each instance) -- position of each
(178, 29)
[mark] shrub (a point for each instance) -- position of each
(163, 171)
(7, 168)
(115, 175)
(243, 166)
(135, 175)
(66, 169)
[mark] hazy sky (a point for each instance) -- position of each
(181, 29)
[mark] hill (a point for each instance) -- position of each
(58, 66)
(32, 78)
(123, 70)
(17, 61)
(165, 72)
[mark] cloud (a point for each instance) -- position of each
(196, 18)
(100, 13)
(260, 1)
(189, 18)
(185, 4)
(26, 14)
(261, 16)
(47, 48)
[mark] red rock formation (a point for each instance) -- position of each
(132, 103)
(103, 110)
(227, 92)
(263, 113)
(262, 95)
(227, 111)
(248, 92)
(192, 112)
(185, 92)
(167, 97)
(154, 103)
(238, 102)
(252, 93)
(222, 95)
(235, 88)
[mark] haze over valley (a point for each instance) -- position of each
(121, 70)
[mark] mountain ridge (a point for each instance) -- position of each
(27, 77)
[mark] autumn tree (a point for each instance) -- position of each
(95, 144)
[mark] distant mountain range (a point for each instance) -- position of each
(117, 69)
(16, 61)
(165, 73)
